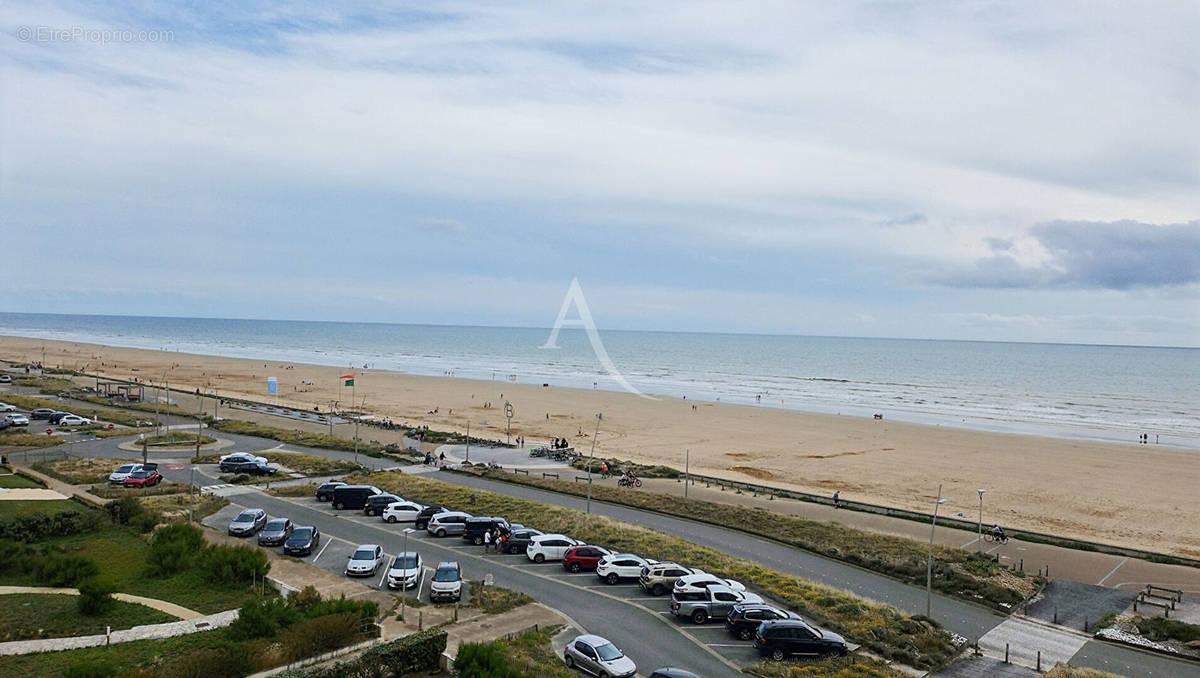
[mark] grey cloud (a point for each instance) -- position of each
(1119, 255)
(449, 228)
(999, 244)
(906, 220)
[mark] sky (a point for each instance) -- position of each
(1017, 171)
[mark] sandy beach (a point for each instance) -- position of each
(1143, 496)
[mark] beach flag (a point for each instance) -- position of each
(349, 379)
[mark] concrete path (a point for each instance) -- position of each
(59, 486)
(29, 494)
(1024, 638)
(488, 627)
(160, 605)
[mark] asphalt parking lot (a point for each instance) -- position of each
(622, 612)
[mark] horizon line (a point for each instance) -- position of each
(547, 329)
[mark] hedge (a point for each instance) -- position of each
(39, 526)
(420, 651)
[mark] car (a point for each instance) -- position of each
(353, 496)
(5, 379)
(713, 602)
(598, 656)
(253, 468)
(422, 519)
(242, 456)
(275, 532)
(365, 561)
(744, 618)
(703, 580)
(74, 420)
(518, 539)
(785, 638)
(57, 416)
(579, 558)
(405, 571)
(446, 583)
(302, 541)
(42, 413)
(617, 566)
(143, 477)
(4, 423)
(247, 523)
(545, 547)
(449, 522)
(672, 672)
(124, 471)
(476, 526)
(376, 503)
(5, 407)
(660, 578)
(325, 491)
(17, 419)
(401, 512)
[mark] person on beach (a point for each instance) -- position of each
(837, 499)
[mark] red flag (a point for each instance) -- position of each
(347, 376)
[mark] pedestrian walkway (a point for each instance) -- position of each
(59, 486)
(1029, 643)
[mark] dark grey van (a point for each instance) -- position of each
(477, 525)
(353, 496)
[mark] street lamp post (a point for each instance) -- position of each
(591, 459)
(929, 561)
(403, 597)
(981, 491)
(687, 476)
(468, 441)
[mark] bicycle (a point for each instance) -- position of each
(993, 538)
(626, 481)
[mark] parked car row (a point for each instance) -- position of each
(55, 417)
(696, 595)
(136, 475)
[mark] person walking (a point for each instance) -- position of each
(837, 498)
(487, 541)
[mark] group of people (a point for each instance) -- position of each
(494, 540)
(560, 444)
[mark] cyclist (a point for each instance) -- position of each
(998, 533)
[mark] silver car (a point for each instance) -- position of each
(247, 522)
(597, 656)
(275, 532)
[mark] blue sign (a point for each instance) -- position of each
(272, 385)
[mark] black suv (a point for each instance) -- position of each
(428, 512)
(477, 525)
(519, 539)
(744, 618)
(378, 502)
(251, 467)
(794, 638)
(325, 491)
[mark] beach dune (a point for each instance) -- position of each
(1142, 496)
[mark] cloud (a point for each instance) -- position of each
(1120, 255)
(447, 228)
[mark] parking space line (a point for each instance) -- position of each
(327, 543)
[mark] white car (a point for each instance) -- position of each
(703, 580)
(118, 476)
(5, 379)
(401, 512)
(74, 420)
(244, 457)
(17, 419)
(597, 656)
(405, 571)
(617, 566)
(5, 407)
(545, 547)
(365, 561)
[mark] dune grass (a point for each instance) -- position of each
(80, 470)
(307, 464)
(23, 439)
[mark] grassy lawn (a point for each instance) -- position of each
(496, 599)
(23, 439)
(16, 480)
(305, 490)
(22, 507)
(178, 438)
(39, 615)
(880, 628)
(126, 656)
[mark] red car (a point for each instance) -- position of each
(579, 558)
(146, 478)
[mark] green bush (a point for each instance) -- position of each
(124, 510)
(15, 557)
(61, 570)
(173, 549)
(320, 634)
(420, 651)
(483, 660)
(40, 526)
(234, 564)
(229, 660)
(262, 619)
(95, 597)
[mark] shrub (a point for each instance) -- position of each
(173, 549)
(420, 651)
(15, 557)
(39, 526)
(146, 521)
(123, 510)
(234, 564)
(95, 597)
(320, 634)
(226, 661)
(64, 570)
(483, 660)
(262, 619)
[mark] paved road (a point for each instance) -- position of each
(634, 622)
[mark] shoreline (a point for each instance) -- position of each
(1113, 492)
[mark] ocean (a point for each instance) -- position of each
(1065, 390)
